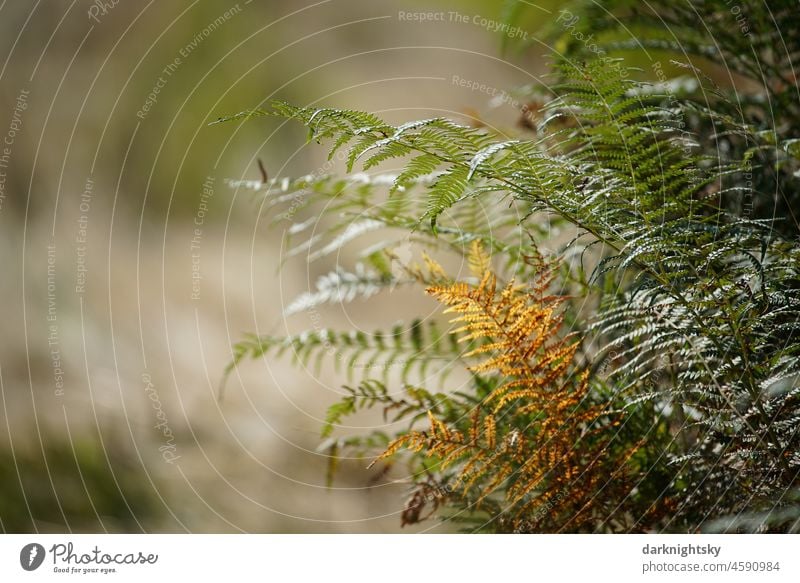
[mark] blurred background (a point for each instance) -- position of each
(131, 267)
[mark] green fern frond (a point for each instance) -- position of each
(406, 349)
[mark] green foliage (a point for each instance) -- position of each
(407, 348)
(679, 194)
(78, 486)
(740, 41)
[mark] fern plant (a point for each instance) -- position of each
(681, 381)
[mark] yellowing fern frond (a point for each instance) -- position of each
(536, 437)
(479, 260)
(435, 271)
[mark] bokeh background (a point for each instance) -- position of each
(115, 202)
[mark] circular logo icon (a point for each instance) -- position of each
(31, 556)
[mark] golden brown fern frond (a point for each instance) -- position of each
(536, 442)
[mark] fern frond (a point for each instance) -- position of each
(406, 349)
(541, 397)
(339, 287)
